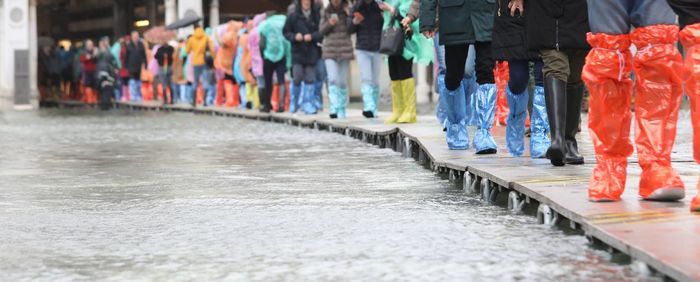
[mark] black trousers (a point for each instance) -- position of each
(456, 57)
(400, 68)
(688, 11)
(269, 69)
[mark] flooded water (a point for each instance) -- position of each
(151, 196)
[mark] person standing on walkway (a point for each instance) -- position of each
(463, 23)
(256, 57)
(135, 60)
(88, 60)
(200, 47)
(337, 53)
(224, 62)
(302, 29)
(164, 57)
(366, 22)
(658, 70)
(509, 44)
(106, 73)
(559, 34)
(275, 50)
(689, 18)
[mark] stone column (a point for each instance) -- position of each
(33, 55)
(422, 86)
(214, 13)
(170, 11)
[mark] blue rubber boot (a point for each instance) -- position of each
(294, 97)
(539, 125)
(342, 102)
(470, 88)
(318, 94)
(375, 93)
(370, 104)
(515, 128)
(456, 121)
(441, 110)
(333, 93)
(308, 93)
(485, 108)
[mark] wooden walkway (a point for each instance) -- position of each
(665, 236)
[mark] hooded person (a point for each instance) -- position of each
(256, 58)
(246, 71)
(509, 44)
(416, 49)
(689, 18)
(463, 23)
(275, 50)
(228, 45)
(199, 46)
(302, 30)
(658, 86)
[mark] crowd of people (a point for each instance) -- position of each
(485, 53)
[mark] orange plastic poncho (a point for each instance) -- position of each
(246, 58)
(228, 44)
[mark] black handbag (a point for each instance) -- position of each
(392, 41)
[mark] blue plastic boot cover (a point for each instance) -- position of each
(515, 128)
(485, 108)
(294, 97)
(470, 88)
(342, 102)
(308, 104)
(457, 136)
(333, 96)
(370, 104)
(375, 91)
(539, 125)
(318, 94)
(441, 110)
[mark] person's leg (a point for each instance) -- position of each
(539, 125)
(342, 85)
(574, 98)
(556, 74)
(134, 89)
(333, 97)
(607, 76)
(365, 64)
(196, 82)
(689, 16)
(470, 85)
(408, 91)
(659, 91)
(453, 97)
(281, 81)
(265, 91)
(377, 62)
(485, 99)
(308, 88)
(320, 79)
(517, 98)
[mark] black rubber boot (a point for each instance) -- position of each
(573, 119)
(368, 114)
(555, 97)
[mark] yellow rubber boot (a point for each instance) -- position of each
(397, 101)
(408, 87)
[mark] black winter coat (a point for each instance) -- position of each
(135, 58)
(369, 31)
(557, 24)
(509, 36)
(304, 53)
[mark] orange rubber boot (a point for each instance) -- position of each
(220, 90)
(659, 89)
(232, 94)
(274, 100)
(502, 75)
(690, 37)
(199, 95)
(607, 75)
(286, 97)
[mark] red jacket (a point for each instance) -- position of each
(89, 65)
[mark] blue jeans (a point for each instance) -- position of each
(519, 71)
(195, 82)
(135, 89)
(337, 72)
(209, 93)
(616, 16)
(370, 64)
